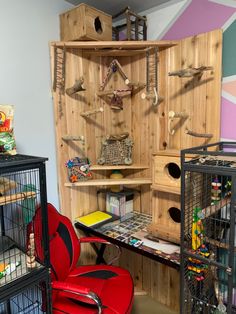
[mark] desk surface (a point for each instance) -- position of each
(121, 233)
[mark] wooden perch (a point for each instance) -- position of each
(173, 115)
(113, 92)
(91, 112)
(195, 134)
(180, 115)
(77, 87)
(105, 93)
(152, 96)
(134, 84)
(218, 243)
(73, 138)
(190, 72)
(117, 137)
(212, 209)
(7, 199)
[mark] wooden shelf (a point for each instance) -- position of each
(108, 182)
(120, 45)
(118, 167)
(167, 189)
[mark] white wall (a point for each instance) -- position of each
(26, 27)
(161, 18)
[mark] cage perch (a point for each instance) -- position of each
(190, 72)
(7, 199)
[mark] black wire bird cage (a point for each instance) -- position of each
(208, 237)
(22, 192)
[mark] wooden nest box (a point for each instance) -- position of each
(167, 217)
(166, 170)
(85, 23)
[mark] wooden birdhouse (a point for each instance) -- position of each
(85, 23)
(167, 216)
(167, 171)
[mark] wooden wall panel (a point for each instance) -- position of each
(198, 96)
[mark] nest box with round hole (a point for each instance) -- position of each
(167, 171)
(167, 216)
(85, 23)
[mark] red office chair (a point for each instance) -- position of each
(81, 289)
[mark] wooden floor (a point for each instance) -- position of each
(146, 305)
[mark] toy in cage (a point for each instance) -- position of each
(197, 269)
(30, 259)
(78, 169)
(116, 150)
(216, 191)
(7, 269)
(197, 228)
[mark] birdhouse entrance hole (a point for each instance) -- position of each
(173, 170)
(98, 25)
(175, 214)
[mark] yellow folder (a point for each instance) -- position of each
(93, 218)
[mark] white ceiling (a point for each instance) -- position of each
(114, 6)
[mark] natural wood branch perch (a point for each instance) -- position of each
(117, 137)
(73, 138)
(7, 199)
(105, 93)
(190, 72)
(134, 84)
(212, 209)
(173, 115)
(91, 112)
(195, 134)
(152, 96)
(77, 87)
(113, 92)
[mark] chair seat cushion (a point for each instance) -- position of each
(112, 284)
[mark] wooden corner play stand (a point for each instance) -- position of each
(197, 96)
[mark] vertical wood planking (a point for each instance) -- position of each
(213, 99)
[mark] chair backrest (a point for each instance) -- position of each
(64, 245)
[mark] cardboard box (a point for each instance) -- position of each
(85, 23)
